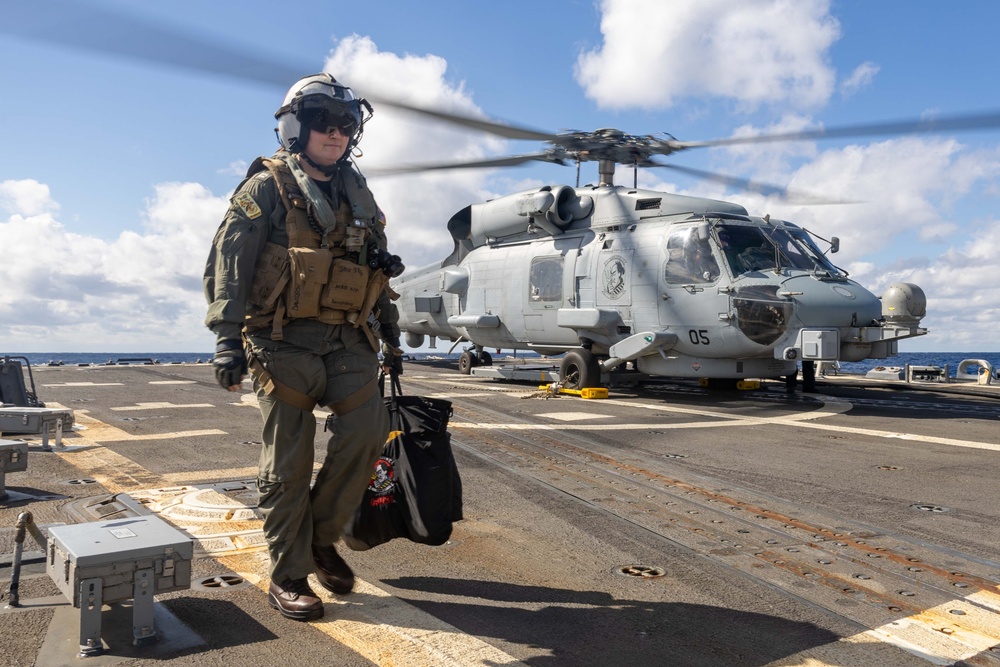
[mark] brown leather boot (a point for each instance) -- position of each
(295, 599)
(332, 572)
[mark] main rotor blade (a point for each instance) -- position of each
(510, 161)
(499, 129)
(958, 123)
(82, 25)
(91, 27)
(766, 189)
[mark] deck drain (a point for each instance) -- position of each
(889, 467)
(221, 582)
(924, 507)
(641, 571)
(85, 480)
(675, 456)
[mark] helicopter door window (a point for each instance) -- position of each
(689, 258)
(545, 280)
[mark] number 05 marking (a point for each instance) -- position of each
(699, 336)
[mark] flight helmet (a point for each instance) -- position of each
(318, 100)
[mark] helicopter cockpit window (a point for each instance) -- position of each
(689, 258)
(754, 248)
(791, 254)
(545, 279)
(814, 253)
(746, 248)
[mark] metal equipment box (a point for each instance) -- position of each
(109, 561)
(820, 343)
(13, 458)
(46, 421)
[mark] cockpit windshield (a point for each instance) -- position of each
(748, 248)
(824, 264)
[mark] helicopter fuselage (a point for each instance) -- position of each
(680, 286)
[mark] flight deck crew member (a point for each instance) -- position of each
(296, 282)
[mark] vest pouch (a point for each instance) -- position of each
(270, 269)
(310, 270)
(347, 287)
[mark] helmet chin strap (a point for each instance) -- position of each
(330, 170)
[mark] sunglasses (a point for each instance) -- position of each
(326, 124)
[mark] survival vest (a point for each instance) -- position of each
(317, 276)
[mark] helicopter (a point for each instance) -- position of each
(667, 284)
(610, 275)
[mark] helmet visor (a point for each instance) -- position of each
(325, 121)
(319, 112)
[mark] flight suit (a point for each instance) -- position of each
(328, 362)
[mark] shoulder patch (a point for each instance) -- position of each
(380, 215)
(249, 206)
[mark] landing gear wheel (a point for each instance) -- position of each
(466, 362)
(580, 370)
(485, 359)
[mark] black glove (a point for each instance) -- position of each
(230, 362)
(392, 356)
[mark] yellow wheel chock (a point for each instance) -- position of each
(588, 392)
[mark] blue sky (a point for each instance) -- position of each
(118, 171)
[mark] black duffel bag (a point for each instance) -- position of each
(415, 491)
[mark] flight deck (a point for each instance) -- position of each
(668, 524)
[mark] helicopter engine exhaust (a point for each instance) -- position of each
(549, 208)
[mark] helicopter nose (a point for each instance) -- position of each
(824, 304)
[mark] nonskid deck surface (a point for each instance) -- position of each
(667, 524)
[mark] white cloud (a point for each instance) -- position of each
(750, 51)
(28, 197)
(139, 292)
(861, 77)
(417, 206)
(963, 299)
(235, 168)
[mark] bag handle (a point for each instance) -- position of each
(395, 388)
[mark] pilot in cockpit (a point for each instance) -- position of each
(689, 259)
(701, 265)
(756, 258)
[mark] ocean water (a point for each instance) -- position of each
(940, 359)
